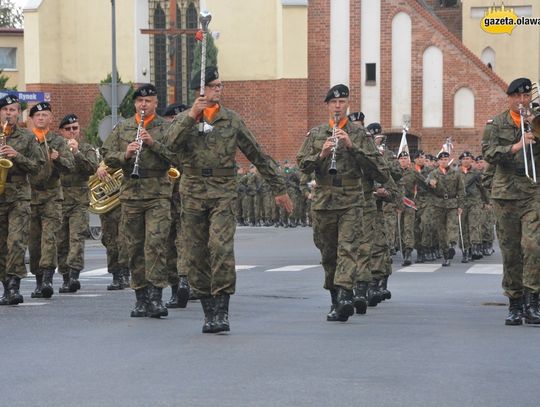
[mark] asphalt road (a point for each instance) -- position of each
(440, 340)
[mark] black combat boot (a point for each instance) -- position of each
(141, 304)
(514, 312)
(222, 313)
(117, 281)
(74, 283)
(420, 255)
(65, 285)
(428, 255)
(383, 289)
(344, 306)
(531, 313)
(360, 297)
(183, 292)
(125, 274)
(465, 256)
(446, 261)
(39, 285)
(155, 307)
(208, 305)
(451, 252)
(5, 296)
(373, 294)
(47, 290)
(173, 301)
(407, 261)
(333, 316)
(14, 296)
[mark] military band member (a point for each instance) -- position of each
(20, 148)
(72, 232)
(208, 189)
(516, 202)
(145, 198)
(448, 197)
(337, 200)
(407, 212)
(47, 197)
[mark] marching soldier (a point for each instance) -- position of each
(136, 145)
(47, 197)
(448, 192)
(18, 148)
(516, 202)
(406, 215)
(337, 201)
(72, 232)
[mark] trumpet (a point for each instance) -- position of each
(527, 155)
(135, 172)
(333, 164)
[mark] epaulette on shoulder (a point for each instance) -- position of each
(490, 121)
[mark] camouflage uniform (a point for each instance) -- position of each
(516, 206)
(15, 204)
(114, 240)
(46, 205)
(208, 189)
(72, 233)
(145, 202)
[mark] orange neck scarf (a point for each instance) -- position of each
(147, 119)
(516, 118)
(465, 170)
(442, 169)
(40, 134)
(341, 124)
(210, 113)
(418, 168)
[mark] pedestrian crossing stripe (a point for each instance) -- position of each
(294, 268)
(486, 269)
(419, 268)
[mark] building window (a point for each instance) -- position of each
(8, 58)
(160, 58)
(371, 74)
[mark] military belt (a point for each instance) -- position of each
(46, 187)
(210, 172)
(16, 178)
(338, 181)
(147, 173)
(446, 196)
(75, 184)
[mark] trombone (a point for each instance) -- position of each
(526, 128)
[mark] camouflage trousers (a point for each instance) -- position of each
(14, 221)
(390, 216)
(45, 220)
(407, 219)
(488, 223)
(367, 232)
(471, 225)
(429, 237)
(249, 209)
(208, 228)
(146, 227)
(71, 236)
(113, 238)
(381, 262)
(446, 225)
(336, 234)
(518, 230)
(174, 270)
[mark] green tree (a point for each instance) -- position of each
(211, 58)
(102, 109)
(10, 15)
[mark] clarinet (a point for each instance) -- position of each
(135, 173)
(333, 165)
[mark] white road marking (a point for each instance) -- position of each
(486, 269)
(294, 268)
(243, 267)
(95, 272)
(31, 304)
(419, 268)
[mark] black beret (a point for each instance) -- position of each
(403, 154)
(338, 91)
(68, 119)
(174, 109)
(443, 154)
(356, 117)
(374, 128)
(479, 158)
(8, 100)
(40, 107)
(466, 154)
(520, 85)
(145, 90)
(210, 74)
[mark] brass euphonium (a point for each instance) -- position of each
(105, 195)
(5, 164)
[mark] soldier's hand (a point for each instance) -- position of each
(198, 106)
(53, 154)
(131, 149)
(327, 148)
(285, 202)
(343, 138)
(73, 146)
(459, 211)
(146, 138)
(8, 151)
(433, 183)
(381, 193)
(102, 173)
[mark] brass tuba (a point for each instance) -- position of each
(105, 195)
(5, 164)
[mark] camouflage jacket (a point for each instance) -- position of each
(209, 160)
(75, 183)
(154, 160)
(46, 184)
(509, 180)
(475, 193)
(449, 191)
(344, 189)
(29, 161)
